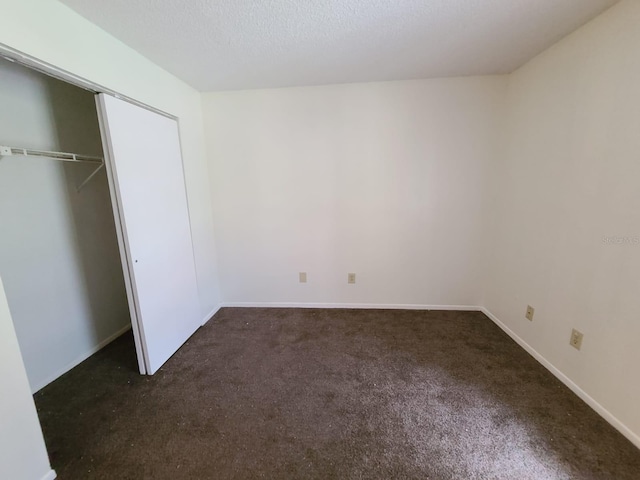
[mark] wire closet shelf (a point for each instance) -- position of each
(60, 156)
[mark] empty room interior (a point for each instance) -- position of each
(334, 239)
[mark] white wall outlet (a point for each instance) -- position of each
(303, 277)
(351, 278)
(530, 312)
(576, 339)
(5, 151)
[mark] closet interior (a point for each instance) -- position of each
(59, 253)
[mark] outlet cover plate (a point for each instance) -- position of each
(530, 312)
(576, 339)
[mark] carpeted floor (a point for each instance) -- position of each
(321, 394)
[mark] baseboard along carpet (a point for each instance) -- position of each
(329, 394)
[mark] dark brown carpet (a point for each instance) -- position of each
(316, 394)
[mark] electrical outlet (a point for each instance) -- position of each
(576, 339)
(530, 312)
(303, 277)
(351, 278)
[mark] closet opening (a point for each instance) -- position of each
(60, 260)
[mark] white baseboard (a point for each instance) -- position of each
(603, 412)
(374, 306)
(210, 315)
(81, 359)
(50, 475)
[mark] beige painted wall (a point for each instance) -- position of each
(386, 180)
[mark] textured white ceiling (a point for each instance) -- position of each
(239, 44)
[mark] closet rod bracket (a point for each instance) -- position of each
(88, 179)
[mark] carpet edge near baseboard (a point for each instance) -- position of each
(81, 358)
(366, 306)
(584, 396)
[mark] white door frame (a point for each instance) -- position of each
(13, 55)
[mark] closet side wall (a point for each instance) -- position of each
(59, 256)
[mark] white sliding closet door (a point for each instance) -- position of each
(144, 164)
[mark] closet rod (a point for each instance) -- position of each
(62, 156)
